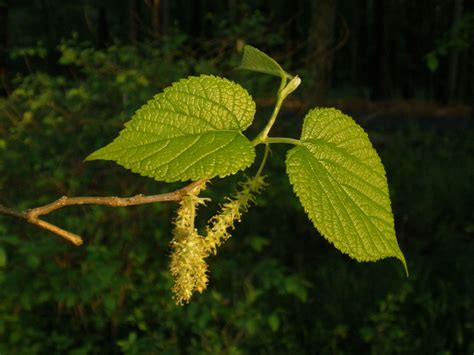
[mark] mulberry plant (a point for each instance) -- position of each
(193, 131)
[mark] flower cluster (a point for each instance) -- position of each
(231, 212)
(188, 268)
(189, 249)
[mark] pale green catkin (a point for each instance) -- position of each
(187, 265)
(231, 211)
(189, 249)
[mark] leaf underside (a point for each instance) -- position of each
(341, 183)
(254, 59)
(193, 130)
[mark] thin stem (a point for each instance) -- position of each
(32, 215)
(264, 134)
(283, 140)
(283, 92)
(71, 237)
(9, 212)
(264, 160)
(282, 85)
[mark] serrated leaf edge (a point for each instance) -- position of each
(398, 254)
(96, 155)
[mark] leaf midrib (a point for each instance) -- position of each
(362, 215)
(341, 151)
(160, 139)
(234, 117)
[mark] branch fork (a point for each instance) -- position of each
(32, 215)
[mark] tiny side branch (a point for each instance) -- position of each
(32, 215)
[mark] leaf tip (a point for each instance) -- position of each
(401, 257)
(92, 156)
(97, 155)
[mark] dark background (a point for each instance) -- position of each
(72, 72)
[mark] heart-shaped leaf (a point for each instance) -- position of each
(193, 130)
(341, 183)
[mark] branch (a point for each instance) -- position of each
(32, 215)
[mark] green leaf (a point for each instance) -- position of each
(254, 59)
(341, 183)
(190, 131)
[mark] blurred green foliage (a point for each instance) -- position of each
(458, 38)
(276, 287)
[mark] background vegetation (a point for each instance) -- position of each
(73, 72)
